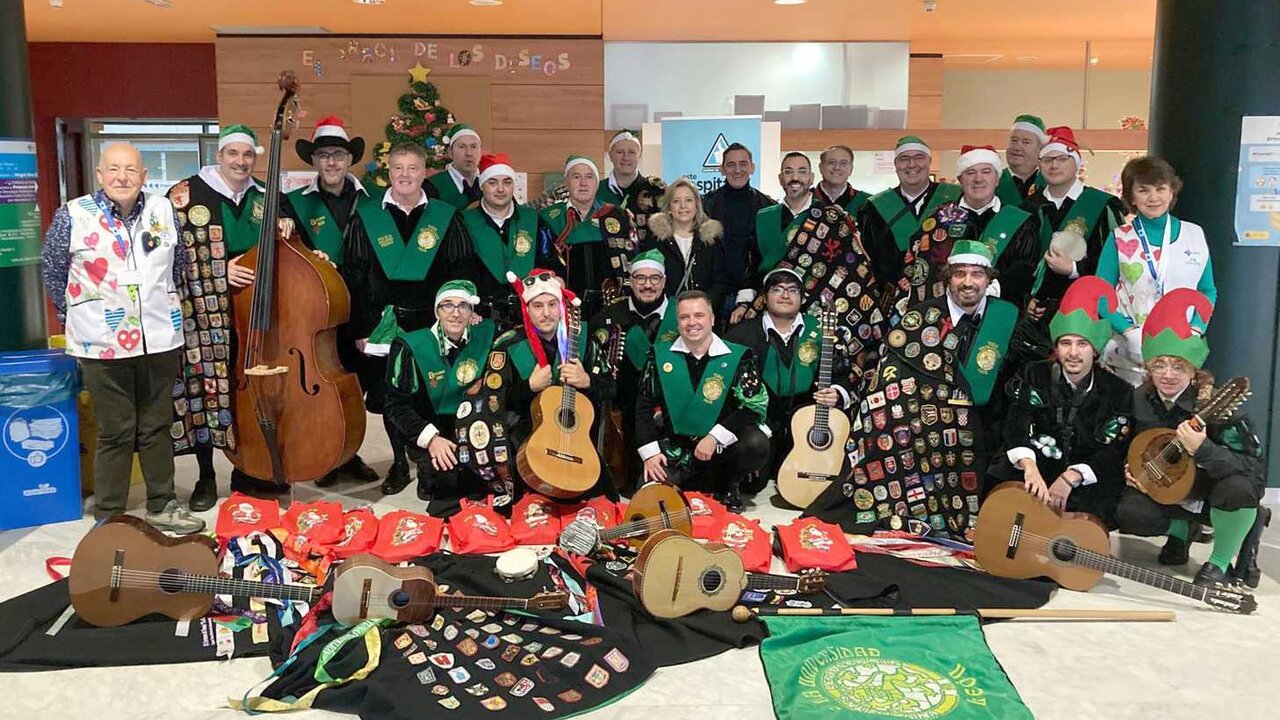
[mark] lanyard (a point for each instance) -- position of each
(329, 650)
(114, 224)
(1146, 249)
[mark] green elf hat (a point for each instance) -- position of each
(1032, 124)
(463, 290)
(971, 252)
(649, 260)
(911, 143)
(239, 134)
(459, 130)
(580, 160)
(626, 136)
(1080, 313)
(1167, 330)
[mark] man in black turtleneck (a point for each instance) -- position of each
(735, 205)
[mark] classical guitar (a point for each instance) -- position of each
(124, 569)
(819, 434)
(676, 575)
(367, 587)
(559, 459)
(654, 507)
(1159, 462)
(1020, 537)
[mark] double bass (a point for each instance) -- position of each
(307, 411)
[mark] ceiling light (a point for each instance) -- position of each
(161, 3)
(55, 4)
(1028, 58)
(789, 2)
(1093, 60)
(369, 2)
(486, 3)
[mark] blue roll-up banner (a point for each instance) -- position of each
(692, 147)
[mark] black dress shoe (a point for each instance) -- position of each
(1211, 575)
(1246, 567)
(358, 470)
(332, 478)
(397, 479)
(1174, 552)
(204, 495)
(256, 488)
(732, 498)
(426, 484)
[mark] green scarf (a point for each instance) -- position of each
(240, 232)
(447, 383)
(318, 223)
(771, 238)
(694, 410)
(499, 257)
(400, 260)
(796, 378)
(898, 216)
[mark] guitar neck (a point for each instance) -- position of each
(569, 395)
(247, 588)
(639, 528)
(822, 412)
(481, 602)
(1160, 580)
(768, 581)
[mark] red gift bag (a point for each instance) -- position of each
(477, 529)
(404, 535)
(320, 522)
(599, 510)
(359, 532)
(535, 520)
(707, 512)
(241, 515)
(746, 538)
(811, 543)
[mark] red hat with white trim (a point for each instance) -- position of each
(1062, 140)
(330, 132)
(971, 155)
(495, 165)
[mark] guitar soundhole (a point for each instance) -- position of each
(1063, 549)
(568, 419)
(399, 599)
(819, 439)
(712, 580)
(171, 581)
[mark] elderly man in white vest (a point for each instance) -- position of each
(112, 264)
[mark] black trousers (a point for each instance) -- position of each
(750, 454)
(1138, 514)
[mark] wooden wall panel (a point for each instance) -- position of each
(924, 91)
(564, 106)
(942, 140)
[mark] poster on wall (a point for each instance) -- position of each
(1257, 215)
(693, 147)
(19, 213)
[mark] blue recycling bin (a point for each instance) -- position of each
(40, 460)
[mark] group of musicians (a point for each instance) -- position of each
(1012, 326)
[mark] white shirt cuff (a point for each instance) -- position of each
(993, 290)
(427, 435)
(648, 451)
(845, 400)
(723, 436)
(768, 431)
(1086, 474)
(746, 295)
(1075, 271)
(1020, 453)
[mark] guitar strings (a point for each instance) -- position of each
(642, 527)
(1107, 563)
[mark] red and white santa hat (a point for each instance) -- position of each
(330, 132)
(971, 155)
(1062, 141)
(540, 281)
(495, 165)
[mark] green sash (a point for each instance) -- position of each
(444, 185)
(988, 347)
(1002, 228)
(1007, 189)
(797, 378)
(638, 344)
(407, 261)
(497, 256)
(902, 223)
(694, 411)
(447, 383)
(318, 223)
(1088, 209)
(525, 362)
(557, 217)
(605, 194)
(856, 202)
(241, 233)
(771, 238)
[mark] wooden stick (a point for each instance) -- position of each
(741, 613)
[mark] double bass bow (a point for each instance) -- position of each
(308, 412)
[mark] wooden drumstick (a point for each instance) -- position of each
(742, 613)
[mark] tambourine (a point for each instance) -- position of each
(517, 564)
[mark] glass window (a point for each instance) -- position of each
(171, 150)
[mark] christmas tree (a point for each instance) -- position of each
(420, 119)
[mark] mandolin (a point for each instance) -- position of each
(654, 507)
(367, 587)
(1159, 462)
(1020, 537)
(559, 459)
(124, 569)
(819, 435)
(676, 575)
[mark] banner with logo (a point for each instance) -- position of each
(873, 668)
(19, 214)
(693, 147)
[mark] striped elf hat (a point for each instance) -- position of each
(1080, 312)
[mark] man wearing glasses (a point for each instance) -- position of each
(777, 225)
(836, 165)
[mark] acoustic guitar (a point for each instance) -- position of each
(367, 587)
(559, 459)
(676, 575)
(124, 569)
(1020, 537)
(819, 435)
(654, 507)
(1159, 462)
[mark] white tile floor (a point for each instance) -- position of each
(1204, 665)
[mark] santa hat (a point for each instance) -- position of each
(239, 134)
(649, 260)
(971, 155)
(459, 130)
(543, 282)
(1063, 140)
(911, 143)
(580, 160)
(626, 136)
(970, 252)
(329, 132)
(463, 290)
(495, 165)
(1167, 329)
(1030, 123)
(1080, 312)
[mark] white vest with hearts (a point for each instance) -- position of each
(121, 299)
(1180, 265)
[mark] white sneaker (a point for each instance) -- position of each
(175, 519)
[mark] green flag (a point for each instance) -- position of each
(873, 668)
